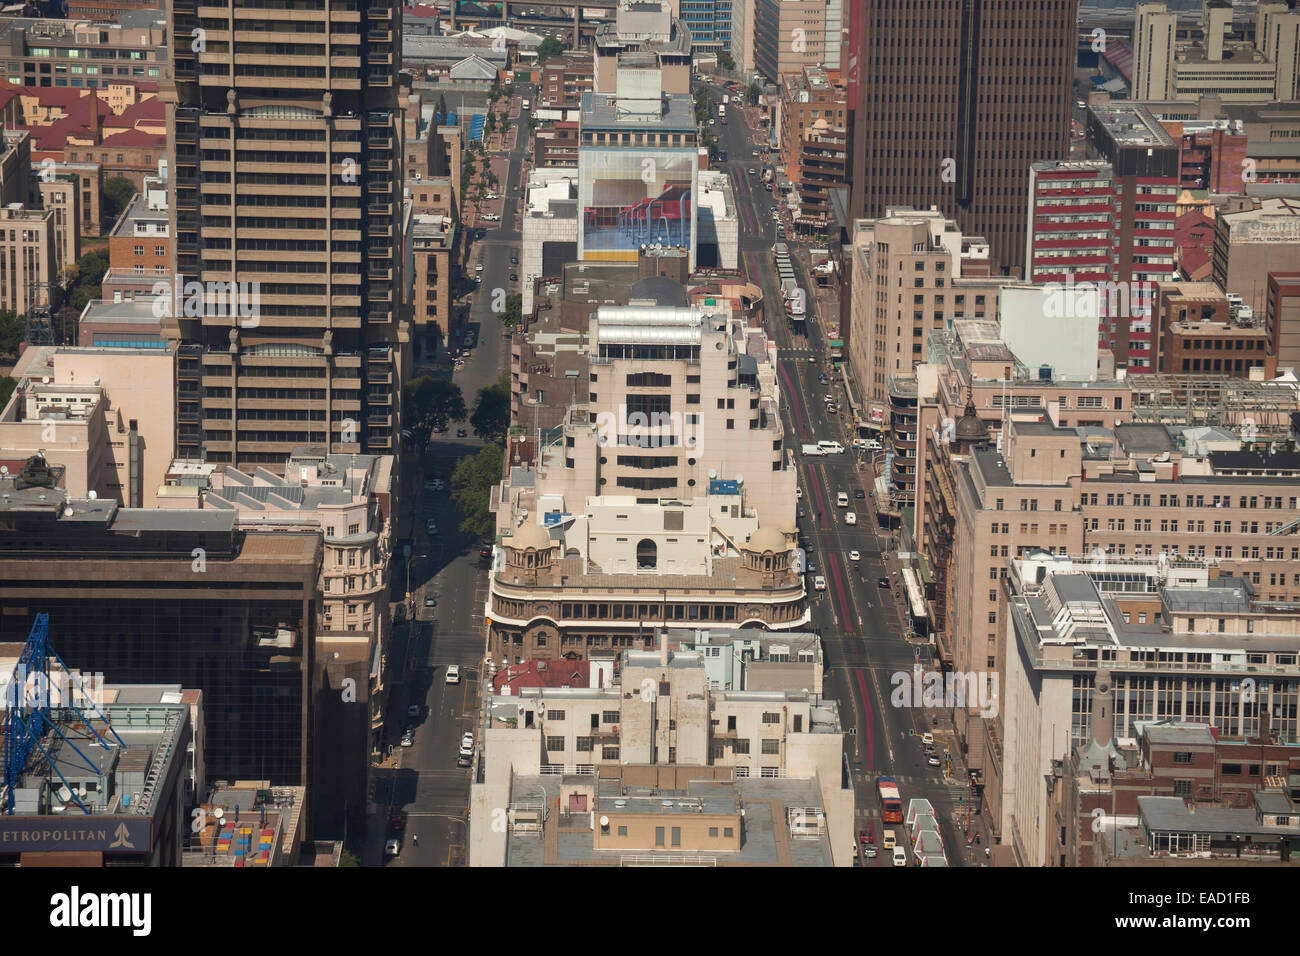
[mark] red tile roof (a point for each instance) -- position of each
(551, 674)
(130, 138)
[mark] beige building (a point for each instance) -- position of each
(29, 255)
(646, 28)
(1252, 238)
(433, 253)
(61, 195)
(96, 413)
(1167, 640)
(347, 501)
(790, 35)
(1234, 71)
(662, 725)
(903, 271)
(666, 497)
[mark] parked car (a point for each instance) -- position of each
(396, 823)
(393, 848)
(855, 556)
(819, 583)
(464, 760)
(461, 433)
(467, 744)
(933, 761)
(413, 710)
(453, 674)
(430, 601)
(408, 737)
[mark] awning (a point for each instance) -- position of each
(915, 596)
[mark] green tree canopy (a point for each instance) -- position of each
(430, 403)
(754, 92)
(491, 417)
(471, 487)
(12, 329)
(514, 313)
(117, 193)
(548, 48)
(725, 60)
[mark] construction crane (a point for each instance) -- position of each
(27, 715)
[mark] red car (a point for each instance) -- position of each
(396, 823)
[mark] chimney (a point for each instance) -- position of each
(94, 118)
(1103, 709)
(663, 648)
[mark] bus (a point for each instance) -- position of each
(891, 804)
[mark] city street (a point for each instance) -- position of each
(861, 623)
(422, 783)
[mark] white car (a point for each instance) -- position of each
(467, 745)
(479, 267)
(453, 674)
(819, 583)
(854, 556)
(408, 738)
(413, 710)
(851, 517)
(392, 848)
(798, 493)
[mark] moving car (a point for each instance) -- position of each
(479, 267)
(430, 601)
(933, 761)
(753, 171)
(798, 493)
(396, 823)
(408, 737)
(869, 851)
(855, 556)
(900, 856)
(882, 582)
(859, 493)
(819, 583)
(888, 840)
(514, 260)
(431, 526)
(851, 517)
(927, 738)
(842, 500)
(392, 848)
(453, 674)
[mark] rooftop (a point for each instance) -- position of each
(602, 111)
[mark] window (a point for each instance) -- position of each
(713, 832)
(1182, 788)
(584, 745)
(728, 832)
(1231, 770)
(659, 836)
(1183, 756)
(622, 831)
(609, 716)
(555, 743)
(771, 718)
(608, 753)
(771, 746)
(740, 747)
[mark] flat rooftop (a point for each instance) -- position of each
(601, 111)
(1132, 125)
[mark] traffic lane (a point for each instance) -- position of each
(798, 423)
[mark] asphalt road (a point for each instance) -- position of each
(426, 788)
(861, 629)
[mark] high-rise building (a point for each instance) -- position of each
(1144, 162)
(792, 34)
(1071, 233)
(284, 146)
(956, 101)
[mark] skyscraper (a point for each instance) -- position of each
(283, 137)
(956, 98)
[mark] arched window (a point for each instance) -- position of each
(647, 555)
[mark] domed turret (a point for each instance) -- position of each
(766, 538)
(531, 535)
(970, 429)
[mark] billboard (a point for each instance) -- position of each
(629, 198)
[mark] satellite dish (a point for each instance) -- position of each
(92, 495)
(604, 821)
(64, 793)
(219, 813)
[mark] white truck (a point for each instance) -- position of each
(814, 450)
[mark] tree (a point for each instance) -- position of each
(7, 386)
(117, 193)
(702, 104)
(348, 858)
(548, 48)
(725, 60)
(429, 404)
(754, 93)
(471, 488)
(514, 313)
(12, 330)
(491, 417)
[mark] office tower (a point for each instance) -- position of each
(956, 101)
(283, 133)
(1143, 158)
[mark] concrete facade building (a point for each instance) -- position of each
(433, 239)
(325, 357)
(1252, 239)
(665, 498)
(82, 53)
(1282, 316)
(790, 35)
(29, 254)
(680, 736)
(1163, 640)
(650, 28)
(95, 413)
(1073, 227)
